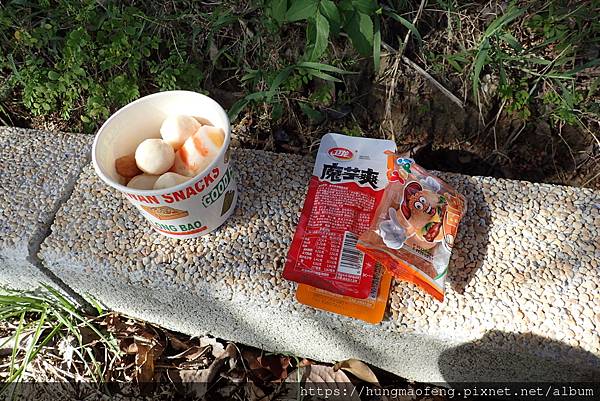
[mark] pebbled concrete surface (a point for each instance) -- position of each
(522, 303)
(37, 172)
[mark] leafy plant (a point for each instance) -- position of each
(359, 20)
(563, 104)
(517, 98)
(488, 50)
(353, 130)
(87, 60)
(306, 70)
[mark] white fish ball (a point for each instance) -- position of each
(154, 156)
(143, 181)
(168, 180)
(177, 128)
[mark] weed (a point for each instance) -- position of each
(353, 130)
(89, 59)
(44, 320)
(326, 21)
(290, 77)
(517, 98)
(357, 18)
(538, 52)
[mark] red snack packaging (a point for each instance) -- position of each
(415, 225)
(347, 184)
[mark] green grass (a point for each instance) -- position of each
(290, 62)
(43, 321)
(81, 60)
(80, 63)
(537, 53)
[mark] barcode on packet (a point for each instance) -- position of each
(376, 282)
(351, 259)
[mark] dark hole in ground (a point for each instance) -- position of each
(13, 120)
(456, 161)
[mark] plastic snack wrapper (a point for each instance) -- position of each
(415, 226)
(370, 309)
(347, 184)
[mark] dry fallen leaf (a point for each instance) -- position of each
(190, 381)
(8, 343)
(304, 362)
(251, 357)
(324, 381)
(254, 393)
(190, 354)
(216, 347)
(176, 343)
(235, 375)
(358, 369)
(128, 346)
(114, 324)
(266, 368)
(276, 364)
(147, 345)
(197, 381)
(144, 363)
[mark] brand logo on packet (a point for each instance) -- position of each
(340, 154)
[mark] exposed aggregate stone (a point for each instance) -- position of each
(525, 266)
(37, 171)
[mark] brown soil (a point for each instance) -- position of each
(440, 135)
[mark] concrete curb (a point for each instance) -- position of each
(522, 304)
(524, 278)
(38, 172)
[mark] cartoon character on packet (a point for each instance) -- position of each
(415, 226)
(418, 221)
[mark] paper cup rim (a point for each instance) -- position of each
(124, 188)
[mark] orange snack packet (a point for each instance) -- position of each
(370, 310)
(415, 225)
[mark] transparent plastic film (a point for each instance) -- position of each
(415, 226)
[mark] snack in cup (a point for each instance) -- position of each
(127, 167)
(143, 181)
(203, 121)
(415, 226)
(198, 151)
(154, 156)
(169, 179)
(179, 207)
(175, 129)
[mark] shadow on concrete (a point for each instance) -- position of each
(510, 357)
(473, 235)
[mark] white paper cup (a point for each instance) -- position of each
(194, 208)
